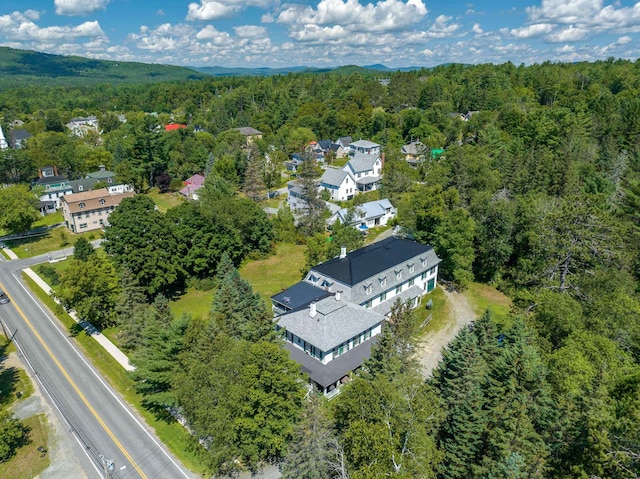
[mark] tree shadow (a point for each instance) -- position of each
(8, 379)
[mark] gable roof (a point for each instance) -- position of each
(248, 131)
(325, 144)
(413, 148)
(19, 135)
(91, 200)
(362, 162)
(370, 210)
(101, 174)
(46, 180)
(333, 177)
(364, 144)
(344, 141)
(299, 295)
(373, 259)
(335, 322)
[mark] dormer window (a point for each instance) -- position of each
(80, 188)
(383, 281)
(368, 288)
(102, 201)
(399, 274)
(81, 205)
(423, 261)
(411, 267)
(313, 279)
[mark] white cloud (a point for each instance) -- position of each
(530, 31)
(250, 31)
(477, 28)
(385, 15)
(570, 34)
(564, 11)
(624, 40)
(208, 10)
(79, 7)
(441, 27)
(19, 27)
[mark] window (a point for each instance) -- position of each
(368, 288)
(423, 261)
(383, 296)
(398, 289)
(356, 340)
(423, 276)
(383, 281)
(411, 282)
(80, 188)
(368, 304)
(411, 267)
(81, 205)
(83, 225)
(399, 274)
(101, 201)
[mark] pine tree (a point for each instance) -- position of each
(311, 221)
(82, 249)
(254, 187)
(130, 306)
(311, 448)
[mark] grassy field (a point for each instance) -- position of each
(55, 239)
(171, 433)
(165, 201)
(440, 311)
(194, 302)
(275, 273)
(28, 461)
(483, 297)
(49, 220)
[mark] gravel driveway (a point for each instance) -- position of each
(430, 348)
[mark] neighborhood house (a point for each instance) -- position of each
(90, 210)
(365, 216)
(330, 318)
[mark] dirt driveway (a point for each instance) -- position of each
(430, 348)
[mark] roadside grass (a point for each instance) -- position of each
(273, 274)
(165, 201)
(171, 433)
(28, 461)
(483, 297)
(14, 381)
(55, 239)
(5, 255)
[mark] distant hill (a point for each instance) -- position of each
(346, 69)
(20, 66)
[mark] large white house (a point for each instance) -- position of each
(365, 216)
(366, 170)
(331, 317)
(339, 183)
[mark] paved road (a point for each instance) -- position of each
(102, 425)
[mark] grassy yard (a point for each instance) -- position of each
(440, 311)
(194, 302)
(165, 201)
(55, 239)
(49, 220)
(171, 433)
(28, 461)
(483, 297)
(373, 233)
(275, 273)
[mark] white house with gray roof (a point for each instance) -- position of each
(367, 215)
(366, 170)
(331, 317)
(364, 146)
(339, 183)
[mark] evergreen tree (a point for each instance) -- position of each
(311, 221)
(240, 312)
(310, 449)
(254, 187)
(129, 308)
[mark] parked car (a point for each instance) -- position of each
(4, 299)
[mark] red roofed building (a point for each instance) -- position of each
(174, 127)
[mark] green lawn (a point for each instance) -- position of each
(165, 201)
(440, 311)
(273, 274)
(49, 220)
(194, 302)
(28, 461)
(373, 233)
(55, 239)
(483, 297)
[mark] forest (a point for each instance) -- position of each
(537, 194)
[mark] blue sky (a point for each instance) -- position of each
(275, 33)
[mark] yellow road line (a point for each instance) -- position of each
(75, 387)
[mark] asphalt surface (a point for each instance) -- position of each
(110, 440)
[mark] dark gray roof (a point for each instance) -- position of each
(45, 180)
(335, 322)
(371, 260)
(19, 135)
(344, 141)
(327, 374)
(325, 144)
(362, 162)
(299, 295)
(248, 131)
(101, 174)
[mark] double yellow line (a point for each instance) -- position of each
(75, 387)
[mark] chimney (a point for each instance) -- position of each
(343, 252)
(312, 310)
(382, 159)
(55, 170)
(102, 168)
(338, 294)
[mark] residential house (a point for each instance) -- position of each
(174, 127)
(192, 185)
(364, 146)
(295, 197)
(19, 137)
(365, 169)
(330, 336)
(251, 134)
(414, 152)
(101, 176)
(82, 125)
(339, 183)
(53, 188)
(367, 215)
(90, 210)
(342, 146)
